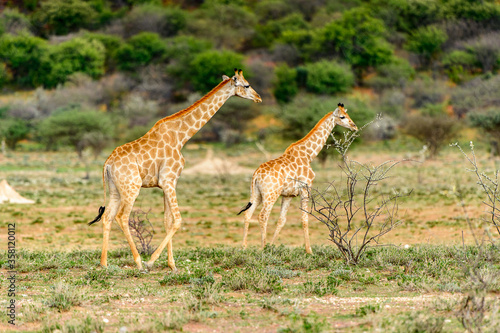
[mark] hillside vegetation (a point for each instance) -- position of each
(428, 66)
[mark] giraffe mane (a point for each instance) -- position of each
(195, 104)
(310, 132)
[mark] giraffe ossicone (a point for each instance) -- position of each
(155, 160)
(290, 175)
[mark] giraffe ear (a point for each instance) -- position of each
(225, 77)
(336, 112)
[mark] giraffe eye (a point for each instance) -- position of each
(342, 117)
(247, 86)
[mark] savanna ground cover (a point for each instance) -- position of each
(425, 275)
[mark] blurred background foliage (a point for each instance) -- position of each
(108, 69)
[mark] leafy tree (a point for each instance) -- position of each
(490, 122)
(328, 77)
(457, 63)
(208, 67)
(76, 128)
(285, 85)
(64, 16)
(392, 75)
(426, 42)
(228, 26)
(435, 131)
(13, 130)
(26, 58)
(357, 37)
(111, 44)
(141, 50)
(181, 50)
(272, 30)
(76, 55)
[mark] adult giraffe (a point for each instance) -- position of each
(289, 176)
(155, 160)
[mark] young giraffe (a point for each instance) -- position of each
(155, 160)
(289, 176)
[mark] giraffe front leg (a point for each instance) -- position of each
(168, 226)
(123, 218)
(285, 204)
(304, 198)
(170, 195)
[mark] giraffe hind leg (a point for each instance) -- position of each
(285, 204)
(268, 203)
(248, 215)
(108, 218)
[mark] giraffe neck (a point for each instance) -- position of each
(188, 122)
(310, 145)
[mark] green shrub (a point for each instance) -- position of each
(426, 42)
(141, 50)
(457, 63)
(392, 75)
(181, 50)
(26, 57)
(61, 17)
(208, 67)
(489, 121)
(76, 55)
(272, 30)
(328, 77)
(111, 44)
(433, 131)
(4, 75)
(71, 127)
(13, 131)
(357, 37)
(285, 84)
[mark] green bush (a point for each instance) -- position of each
(181, 50)
(433, 131)
(208, 67)
(489, 121)
(357, 37)
(272, 30)
(426, 42)
(72, 128)
(328, 77)
(141, 50)
(392, 75)
(26, 58)
(457, 63)
(285, 84)
(61, 17)
(76, 55)
(111, 44)
(13, 131)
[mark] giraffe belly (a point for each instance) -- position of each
(150, 181)
(290, 190)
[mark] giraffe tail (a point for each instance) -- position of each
(98, 218)
(105, 175)
(248, 206)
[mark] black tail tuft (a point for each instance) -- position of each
(98, 218)
(248, 206)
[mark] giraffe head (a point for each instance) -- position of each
(341, 118)
(241, 86)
